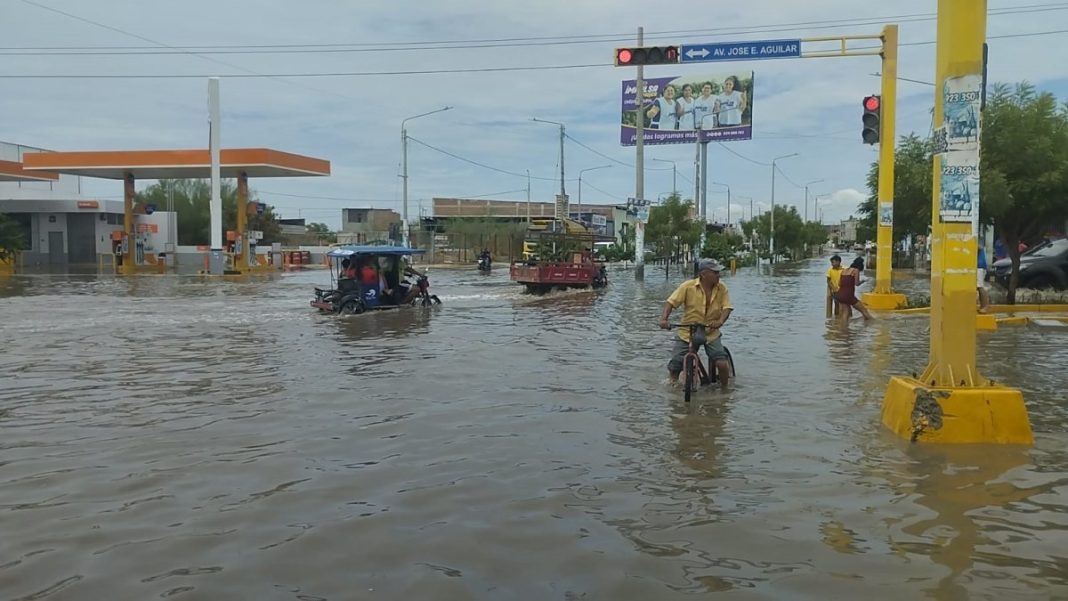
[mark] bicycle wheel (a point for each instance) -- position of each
(690, 361)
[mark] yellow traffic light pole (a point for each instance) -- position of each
(882, 297)
(951, 402)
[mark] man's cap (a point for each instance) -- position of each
(709, 264)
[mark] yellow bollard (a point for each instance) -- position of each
(734, 265)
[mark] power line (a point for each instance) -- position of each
(619, 198)
(787, 177)
(483, 165)
(249, 72)
(386, 46)
(253, 74)
(305, 75)
(614, 160)
(741, 156)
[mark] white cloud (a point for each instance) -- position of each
(806, 106)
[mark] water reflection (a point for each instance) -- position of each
(960, 484)
(498, 446)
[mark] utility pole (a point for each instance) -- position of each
(639, 169)
(815, 181)
(728, 199)
(404, 172)
(561, 201)
(528, 197)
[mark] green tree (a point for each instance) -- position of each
(722, 247)
(192, 203)
(1023, 167)
(321, 232)
(789, 231)
(913, 169)
(12, 239)
(670, 229)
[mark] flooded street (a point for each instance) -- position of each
(201, 439)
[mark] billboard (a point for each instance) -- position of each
(683, 110)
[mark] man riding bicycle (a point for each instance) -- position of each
(704, 300)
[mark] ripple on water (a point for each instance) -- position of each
(199, 439)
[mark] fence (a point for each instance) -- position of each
(463, 248)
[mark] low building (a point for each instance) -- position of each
(62, 226)
(606, 220)
(367, 225)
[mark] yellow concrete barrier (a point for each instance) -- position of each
(980, 414)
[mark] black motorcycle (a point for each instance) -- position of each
(484, 263)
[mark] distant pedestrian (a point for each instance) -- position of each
(848, 283)
(980, 280)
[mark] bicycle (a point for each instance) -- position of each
(694, 370)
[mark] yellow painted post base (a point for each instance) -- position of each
(986, 321)
(7, 267)
(884, 301)
(983, 414)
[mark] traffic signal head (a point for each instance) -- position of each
(647, 55)
(872, 115)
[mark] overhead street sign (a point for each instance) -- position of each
(739, 51)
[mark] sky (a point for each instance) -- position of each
(142, 69)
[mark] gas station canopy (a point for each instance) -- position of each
(172, 164)
(15, 172)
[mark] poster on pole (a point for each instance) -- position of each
(886, 213)
(959, 188)
(684, 110)
(960, 107)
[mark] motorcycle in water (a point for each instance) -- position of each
(484, 263)
(424, 297)
(354, 296)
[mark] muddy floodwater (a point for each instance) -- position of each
(188, 438)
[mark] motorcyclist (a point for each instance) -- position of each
(405, 291)
(484, 258)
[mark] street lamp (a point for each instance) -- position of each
(581, 171)
(674, 175)
(404, 162)
(815, 181)
(728, 199)
(562, 134)
(771, 238)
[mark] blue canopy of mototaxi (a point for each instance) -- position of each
(352, 250)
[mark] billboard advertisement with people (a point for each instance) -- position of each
(681, 110)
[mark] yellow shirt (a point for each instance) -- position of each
(691, 297)
(835, 276)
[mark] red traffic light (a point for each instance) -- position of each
(871, 103)
(647, 55)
